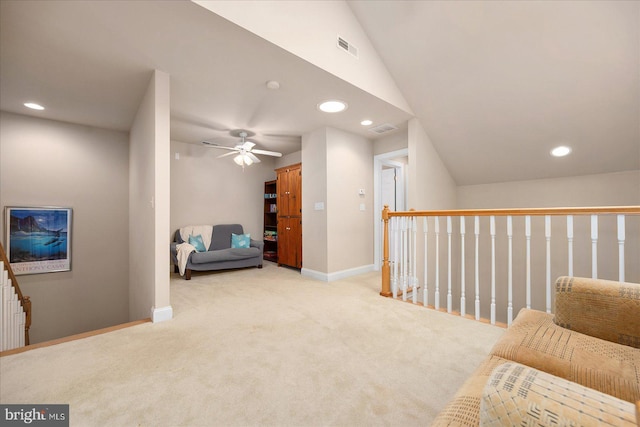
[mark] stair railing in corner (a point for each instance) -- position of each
(15, 308)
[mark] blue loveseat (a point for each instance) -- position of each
(220, 255)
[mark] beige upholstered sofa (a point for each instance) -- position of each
(579, 366)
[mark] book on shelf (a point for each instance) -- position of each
(271, 235)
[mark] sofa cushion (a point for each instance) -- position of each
(536, 341)
(517, 395)
(222, 235)
(231, 254)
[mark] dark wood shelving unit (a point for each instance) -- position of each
(270, 236)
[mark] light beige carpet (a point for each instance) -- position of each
(260, 347)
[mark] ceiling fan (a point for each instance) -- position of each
(244, 152)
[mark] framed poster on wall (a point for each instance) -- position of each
(38, 239)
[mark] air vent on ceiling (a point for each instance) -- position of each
(348, 47)
(384, 128)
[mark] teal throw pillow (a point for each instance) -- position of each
(196, 242)
(240, 240)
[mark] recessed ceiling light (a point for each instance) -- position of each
(560, 151)
(332, 106)
(33, 106)
(366, 122)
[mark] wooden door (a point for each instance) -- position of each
(289, 191)
(290, 242)
(289, 184)
(294, 181)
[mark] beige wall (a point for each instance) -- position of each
(397, 140)
(314, 190)
(209, 190)
(338, 239)
(430, 184)
(289, 159)
(149, 204)
(349, 229)
(49, 163)
(613, 189)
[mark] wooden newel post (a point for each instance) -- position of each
(26, 304)
(386, 271)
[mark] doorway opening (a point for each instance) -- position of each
(390, 188)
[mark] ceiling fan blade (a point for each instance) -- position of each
(267, 153)
(248, 145)
(215, 145)
(252, 157)
(226, 154)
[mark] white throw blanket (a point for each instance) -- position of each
(185, 249)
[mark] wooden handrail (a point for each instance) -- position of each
(600, 210)
(25, 301)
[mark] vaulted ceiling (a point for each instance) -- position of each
(496, 85)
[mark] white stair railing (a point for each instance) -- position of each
(15, 309)
(523, 256)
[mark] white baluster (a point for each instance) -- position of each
(527, 234)
(414, 271)
(394, 229)
(3, 325)
(462, 272)
(570, 244)
(492, 227)
(477, 266)
(594, 246)
(437, 293)
(621, 234)
(23, 322)
(425, 296)
(449, 232)
(547, 235)
(510, 271)
(405, 258)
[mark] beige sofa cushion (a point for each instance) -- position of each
(599, 308)
(536, 341)
(517, 395)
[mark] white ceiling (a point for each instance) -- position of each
(495, 84)
(498, 84)
(90, 63)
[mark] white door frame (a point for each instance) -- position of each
(379, 161)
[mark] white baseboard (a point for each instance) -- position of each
(161, 314)
(330, 277)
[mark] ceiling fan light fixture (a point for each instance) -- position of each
(242, 160)
(332, 106)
